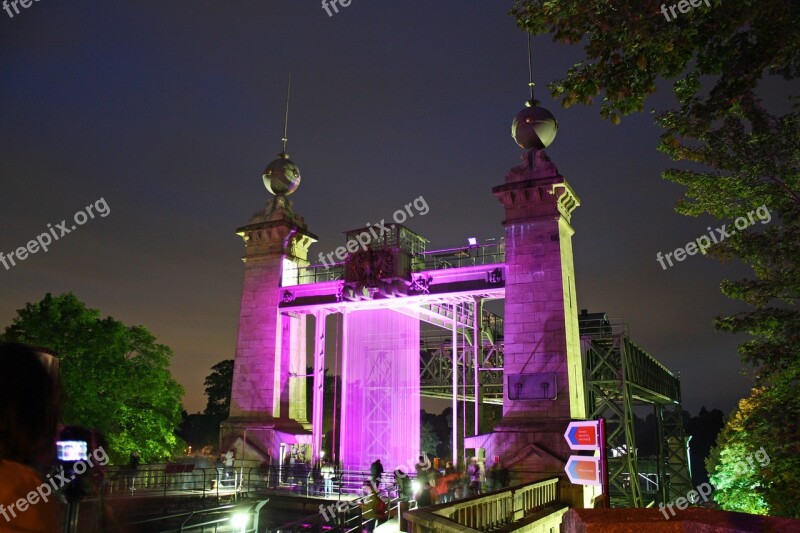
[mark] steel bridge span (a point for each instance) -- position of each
(447, 291)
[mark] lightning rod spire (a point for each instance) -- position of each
(286, 116)
(532, 101)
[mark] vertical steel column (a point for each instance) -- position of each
(663, 483)
(343, 408)
(455, 383)
(319, 385)
(635, 495)
(477, 344)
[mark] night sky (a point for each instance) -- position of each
(171, 110)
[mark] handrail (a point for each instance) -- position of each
(469, 255)
(185, 478)
(352, 522)
(189, 515)
(494, 509)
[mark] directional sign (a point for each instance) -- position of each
(583, 435)
(583, 470)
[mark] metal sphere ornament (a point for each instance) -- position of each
(282, 177)
(534, 127)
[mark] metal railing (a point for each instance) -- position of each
(496, 509)
(174, 479)
(319, 273)
(349, 520)
(211, 519)
(479, 254)
(600, 328)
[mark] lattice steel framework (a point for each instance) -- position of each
(378, 404)
(620, 376)
(436, 358)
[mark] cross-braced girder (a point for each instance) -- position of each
(619, 377)
(436, 371)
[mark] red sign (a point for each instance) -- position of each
(583, 435)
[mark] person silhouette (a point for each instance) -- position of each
(28, 427)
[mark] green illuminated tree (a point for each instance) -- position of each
(115, 377)
(755, 467)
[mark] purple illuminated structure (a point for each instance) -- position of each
(381, 294)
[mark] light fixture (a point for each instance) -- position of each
(239, 522)
(472, 241)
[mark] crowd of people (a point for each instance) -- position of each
(450, 484)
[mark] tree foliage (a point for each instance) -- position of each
(115, 378)
(630, 46)
(740, 157)
(218, 389)
(716, 56)
(202, 429)
(429, 439)
(755, 467)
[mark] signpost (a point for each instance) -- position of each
(588, 435)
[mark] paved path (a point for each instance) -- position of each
(390, 526)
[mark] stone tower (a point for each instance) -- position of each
(544, 387)
(268, 398)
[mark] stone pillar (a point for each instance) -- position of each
(267, 395)
(543, 371)
(542, 366)
(319, 384)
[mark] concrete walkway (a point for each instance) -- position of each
(390, 526)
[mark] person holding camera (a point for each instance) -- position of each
(28, 428)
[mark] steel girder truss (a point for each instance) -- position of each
(436, 356)
(677, 469)
(378, 406)
(620, 376)
(436, 365)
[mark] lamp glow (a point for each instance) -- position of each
(239, 521)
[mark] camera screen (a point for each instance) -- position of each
(72, 450)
